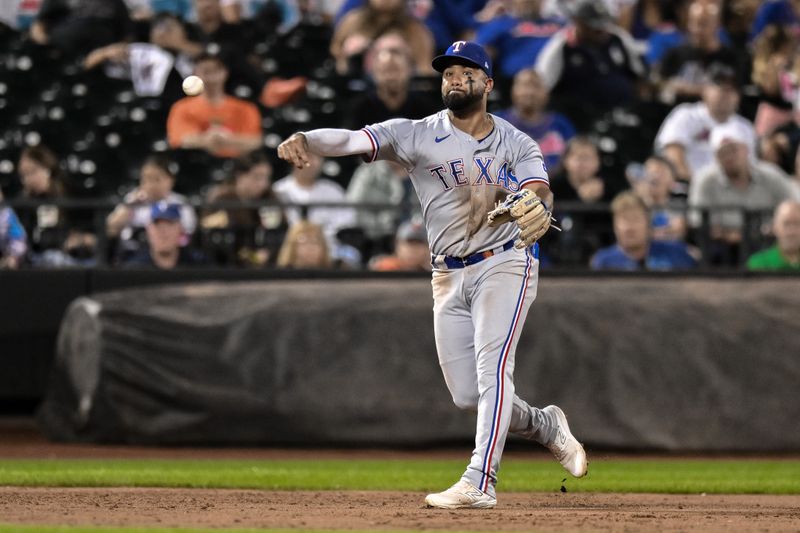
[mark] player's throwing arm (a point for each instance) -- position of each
(324, 142)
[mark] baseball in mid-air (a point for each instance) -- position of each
(192, 85)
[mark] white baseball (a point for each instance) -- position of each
(193, 85)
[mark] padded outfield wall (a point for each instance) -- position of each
(670, 363)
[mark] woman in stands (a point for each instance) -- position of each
(257, 231)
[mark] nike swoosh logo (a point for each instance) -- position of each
(440, 139)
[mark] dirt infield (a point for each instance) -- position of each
(360, 510)
(374, 511)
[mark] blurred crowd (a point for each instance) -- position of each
(670, 129)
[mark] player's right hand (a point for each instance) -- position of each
(295, 150)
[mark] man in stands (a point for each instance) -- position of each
(214, 121)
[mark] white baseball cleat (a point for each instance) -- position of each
(565, 447)
(462, 495)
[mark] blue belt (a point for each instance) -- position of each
(461, 262)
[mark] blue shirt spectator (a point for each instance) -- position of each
(661, 255)
(778, 12)
(635, 249)
(447, 19)
(516, 39)
(13, 241)
(551, 130)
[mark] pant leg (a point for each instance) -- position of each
(454, 332)
(503, 292)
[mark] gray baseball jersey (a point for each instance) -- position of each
(459, 178)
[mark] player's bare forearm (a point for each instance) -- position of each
(542, 190)
(326, 142)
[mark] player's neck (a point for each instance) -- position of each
(477, 123)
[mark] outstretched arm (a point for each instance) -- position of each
(324, 142)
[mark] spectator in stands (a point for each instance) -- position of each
(251, 181)
(784, 13)
(515, 38)
(304, 187)
(657, 188)
(19, 15)
(580, 179)
(147, 9)
(737, 182)
(775, 70)
(666, 33)
(156, 184)
(635, 248)
(684, 69)
(46, 224)
(154, 70)
(685, 133)
(165, 249)
(75, 27)
(552, 130)
(361, 26)
(220, 124)
(382, 182)
(273, 15)
(785, 254)
(305, 247)
(590, 66)
(390, 67)
(448, 20)
(13, 241)
(411, 251)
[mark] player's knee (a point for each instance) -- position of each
(466, 402)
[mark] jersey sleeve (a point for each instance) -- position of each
(392, 140)
(530, 167)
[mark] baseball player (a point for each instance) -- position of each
(462, 161)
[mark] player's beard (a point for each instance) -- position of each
(457, 101)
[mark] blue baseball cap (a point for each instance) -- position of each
(165, 211)
(464, 52)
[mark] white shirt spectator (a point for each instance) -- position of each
(332, 219)
(690, 125)
(711, 188)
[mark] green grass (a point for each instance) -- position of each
(658, 476)
(101, 529)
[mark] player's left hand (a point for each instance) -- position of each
(295, 150)
(528, 211)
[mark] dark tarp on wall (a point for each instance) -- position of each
(673, 364)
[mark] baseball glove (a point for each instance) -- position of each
(528, 211)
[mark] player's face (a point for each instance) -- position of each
(787, 226)
(632, 228)
(464, 87)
